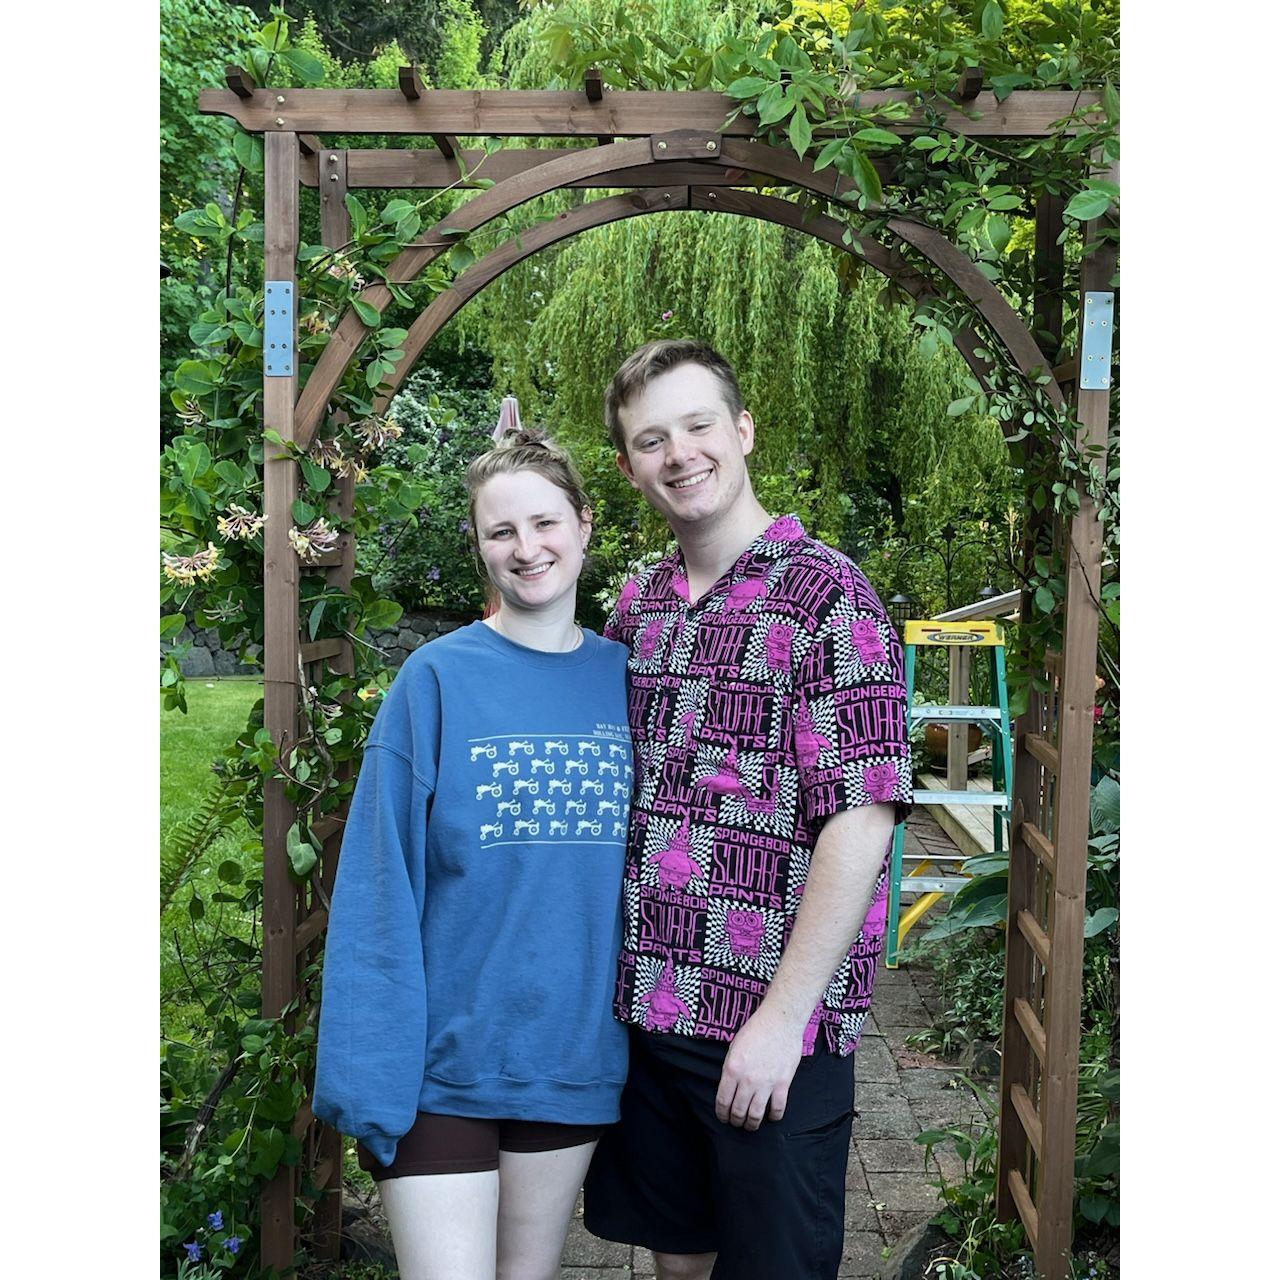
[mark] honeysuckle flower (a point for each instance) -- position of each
(215, 1219)
(240, 523)
(191, 415)
(342, 269)
(327, 454)
(352, 467)
(189, 569)
(195, 1250)
(315, 323)
(365, 694)
(316, 540)
(232, 1244)
(377, 433)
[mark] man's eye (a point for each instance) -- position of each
(544, 523)
(648, 444)
(702, 426)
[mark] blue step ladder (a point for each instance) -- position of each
(922, 874)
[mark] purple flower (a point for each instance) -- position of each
(194, 1250)
(464, 526)
(215, 1219)
(434, 573)
(233, 1244)
(666, 315)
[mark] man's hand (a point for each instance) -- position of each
(758, 1070)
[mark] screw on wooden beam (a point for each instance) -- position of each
(410, 82)
(240, 82)
(446, 144)
(969, 85)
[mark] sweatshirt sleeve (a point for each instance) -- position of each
(373, 1014)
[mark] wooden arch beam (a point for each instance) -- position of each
(599, 213)
(682, 145)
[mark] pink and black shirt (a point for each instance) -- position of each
(773, 702)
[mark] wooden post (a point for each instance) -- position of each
(280, 659)
(1019, 1068)
(959, 662)
(1075, 752)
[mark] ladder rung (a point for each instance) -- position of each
(1035, 935)
(923, 859)
(302, 1121)
(1043, 750)
(1031, 1028)
(310, 929)
(318, 650)
(323, 828)
(933, 884)
(954, 713)
(996, 798)
(1026, 1209)
(1038, 843)
(1026, 1110)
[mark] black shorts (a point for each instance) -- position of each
(672, 1178)
(461, 1144)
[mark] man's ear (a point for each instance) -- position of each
(624, 465)
(746, 432)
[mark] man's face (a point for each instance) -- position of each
(684, 450)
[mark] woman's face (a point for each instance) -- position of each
(531, 540)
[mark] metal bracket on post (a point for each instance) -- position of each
(1095, 342)
(277, 330)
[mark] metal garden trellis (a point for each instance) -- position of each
(674, 150)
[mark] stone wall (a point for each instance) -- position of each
(207, 657)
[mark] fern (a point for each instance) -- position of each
(190, 840)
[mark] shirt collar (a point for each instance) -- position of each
(785, 528)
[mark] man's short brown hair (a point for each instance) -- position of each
(654, 358)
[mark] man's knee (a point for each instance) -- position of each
(684, 1266)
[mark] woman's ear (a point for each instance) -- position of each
(586, 518)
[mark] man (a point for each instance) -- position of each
(769, 720)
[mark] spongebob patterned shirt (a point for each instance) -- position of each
(773, 702)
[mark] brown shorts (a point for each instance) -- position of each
(460, 1144)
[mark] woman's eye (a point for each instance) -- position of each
(702, 426)
(542, 524)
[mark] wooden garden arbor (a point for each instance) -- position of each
(673, 150)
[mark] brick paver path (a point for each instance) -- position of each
(889, 1188)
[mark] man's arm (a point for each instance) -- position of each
(764, 1055)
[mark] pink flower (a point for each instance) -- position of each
(1097, 714)
(666, 315)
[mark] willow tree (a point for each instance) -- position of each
(850, 396)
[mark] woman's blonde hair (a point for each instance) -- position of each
(521, 449)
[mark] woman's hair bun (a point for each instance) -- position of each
(516, 437)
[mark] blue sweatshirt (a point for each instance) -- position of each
(476, 918)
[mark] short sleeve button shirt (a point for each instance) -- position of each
(774, 701)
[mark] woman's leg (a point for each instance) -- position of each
(538, 1192)
(444, 1225)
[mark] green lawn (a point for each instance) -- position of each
(217, 711)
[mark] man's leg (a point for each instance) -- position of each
(537, 1194)
(443, 1225)
(780, 1190)
(650, 1181)
(684, 1266)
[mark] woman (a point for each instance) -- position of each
(466, 1033)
